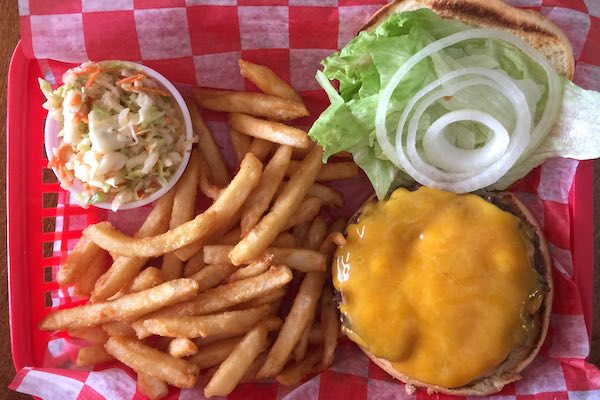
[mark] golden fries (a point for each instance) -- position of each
(182, 347)
(233, 368)
(153, 388)
(211, 275)
(206, 144)
(85, 284)
(213, 354)
(127, 307)
(258, 104)
(118, 328)
(260, 148)
(148, 278)
(93, 334)
(293, 374)
(226, 323)
(302, 346)
(124, 269)
(204, 181)
(152, 362)
(330, 172)
(82, 255)
(266, 80)
(240, 143)
(194, 264)
(297, 320)
(328, 195)
(330, 326)
(286, 240)
(308, 210)
(286, 204)
(256, 268)
(92, 355)
(107, 237)
(316, 234)
(299, 259)
(274, 132)
(260, 199)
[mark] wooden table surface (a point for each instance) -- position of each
(9, 35)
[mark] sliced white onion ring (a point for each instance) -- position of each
(447, 156)
(485, 169)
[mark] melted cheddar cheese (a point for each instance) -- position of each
(437, 283)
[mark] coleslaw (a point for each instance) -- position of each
(121, 134)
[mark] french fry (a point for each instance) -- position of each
(85, 285)
(268, 298)
(233, 368)
(82, 255)
(225, 296)
(316, 234)
(124, 269)
(118, 328)
(208, 147)
(212, 275)
(329, 245)
(329, 196)
(267, 81)
(299, 154)
(231, 237)
(240, 143)
(127, 307)
(330, 172)
(93, 334)
(182, 347)
(232, 198)
(259, 200)
(148, 278)
(209, 189)
(251, 270)
(286, 204)
(159, 365)
(297, 320)
(260, 148)
(286, 240)
(250, 374)
(194, 264)
(330, 325)
(213, 354)
(308, 210)
(293, 374)
(316, 335)
(227, 323)
(92, 355)
(299, 259)
(274, 132)
(302, 346)
(257, 104)
(300, 231)
(184, 207)
(153, 388)
(272, 323)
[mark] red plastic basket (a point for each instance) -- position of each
(33, 244)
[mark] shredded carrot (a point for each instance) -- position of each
(85, 119)
(130, 79)
(77, 118)
(76, 99)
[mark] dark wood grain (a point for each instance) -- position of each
(9, 35)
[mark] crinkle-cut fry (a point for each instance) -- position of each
(256, 268)
(205, 185)
(85, 285)
(308, 210)
(92, 355)
(274, 132)
(226, 206)
(226, 323)
(182, 347)
(260, 148)
(224, 296)
(207, 146)
(118, 328)
(297, 320)
(212, 275)
(286, 204)
(330, 326)
(330, 171)
(316, 234)
(330, 197)
(286, 240)
(212, 354)
(272, 323)
(299, 259)
(259, 200)
(194, 264)
(127, 307)
(153, 388)
(82, 255)
(294, 373)
(145, 359)
(257, 104)
(124, 269)
(237, 363)
(94, 334)
(231, 237)
(240, 143)
(300, 231)
(267, 81)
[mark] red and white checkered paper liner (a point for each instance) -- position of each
(198, 42)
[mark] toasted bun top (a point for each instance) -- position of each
(530, 26)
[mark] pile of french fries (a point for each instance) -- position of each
(216, 301)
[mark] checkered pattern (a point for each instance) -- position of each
(198, 42)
